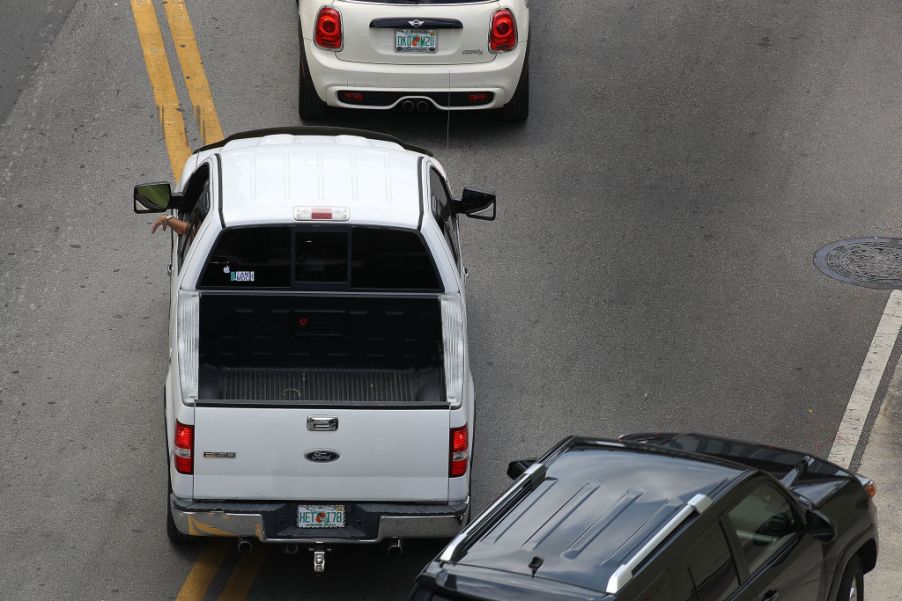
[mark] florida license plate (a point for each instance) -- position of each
(321, 516)
(416, 40)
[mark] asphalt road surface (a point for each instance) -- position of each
(650, 269)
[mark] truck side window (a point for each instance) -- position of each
(711, 565)
(764, 522)
(195, 206)
(444, 213)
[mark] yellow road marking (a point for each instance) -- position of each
(243, 576)
(193, 70)
(202, 572)
(161, 82)
(210, 560)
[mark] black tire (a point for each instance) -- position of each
(518, 107)
(175, 536)
(852, 577)
(310, 105)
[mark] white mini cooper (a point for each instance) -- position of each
(414, 54)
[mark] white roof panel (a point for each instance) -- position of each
(265, 178)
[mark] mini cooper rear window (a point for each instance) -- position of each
(321, 257)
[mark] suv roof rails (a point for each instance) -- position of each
(314, 131)
(623, 574)
(534, 474)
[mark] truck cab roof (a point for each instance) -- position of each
(266, 176)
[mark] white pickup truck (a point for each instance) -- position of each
(319, 389)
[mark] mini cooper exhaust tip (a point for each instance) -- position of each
(407, 106)
(245, 545)
(395, 547)
(422, 106)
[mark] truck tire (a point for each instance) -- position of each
(310, 105)
(851, 588)
(517, 109)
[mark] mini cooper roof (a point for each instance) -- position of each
(596, 509)
(267, 173)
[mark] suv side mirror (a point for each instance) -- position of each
(155, 198)
(516, 468)
(819, 526)
(477, 204)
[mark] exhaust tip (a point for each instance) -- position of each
(407, 105)
(395, 547)
(245, 545)
(422, 106)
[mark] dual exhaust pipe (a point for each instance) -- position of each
(421, 106)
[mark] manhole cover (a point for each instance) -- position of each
(869, 262)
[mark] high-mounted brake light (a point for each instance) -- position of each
(457, 466)
(503, 35)
(184, 448)
(327, 33)
(321, 214)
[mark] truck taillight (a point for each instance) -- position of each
(327, 34)
(457, 466)
(453, 343)
(188, 335)
(184, 448)
(503, 35)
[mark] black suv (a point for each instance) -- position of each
(665, 517)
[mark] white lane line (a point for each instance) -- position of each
(850, 429)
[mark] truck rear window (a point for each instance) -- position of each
(357, 258)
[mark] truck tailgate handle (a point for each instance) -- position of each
(322, 424)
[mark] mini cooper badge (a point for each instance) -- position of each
(321, 456)
(416, 22)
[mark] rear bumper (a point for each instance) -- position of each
(275, 522)
(498, 77)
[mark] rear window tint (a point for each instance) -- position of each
(321, 257)
(250, 258)
(331, 258)
(394, 259)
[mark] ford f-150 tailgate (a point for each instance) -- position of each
(274, 453)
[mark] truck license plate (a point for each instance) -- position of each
(415, 40)
(321, 516)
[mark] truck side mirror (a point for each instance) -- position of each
(477, 204)
(155, 198)
(516, 468)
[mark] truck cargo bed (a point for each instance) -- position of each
(316, 349)
(330, 385)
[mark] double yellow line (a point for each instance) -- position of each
(211, 558)
(170, 111)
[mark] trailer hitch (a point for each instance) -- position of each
(319, 559)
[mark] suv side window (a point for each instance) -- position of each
(764, 522)
(444, 213)
(711, 566)
(195, 206)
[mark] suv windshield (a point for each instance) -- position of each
(321, 257)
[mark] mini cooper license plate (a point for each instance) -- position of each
(416, 40)
(321, 516)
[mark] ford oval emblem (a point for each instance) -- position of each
(321, 456)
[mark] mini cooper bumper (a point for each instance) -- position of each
(386, 86)
(276, 522)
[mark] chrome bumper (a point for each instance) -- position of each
(251, 519)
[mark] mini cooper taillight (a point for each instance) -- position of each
(184, 447)
(460, 443)
(327, 33)
(503, 36)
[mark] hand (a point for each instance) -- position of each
(162, 220)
